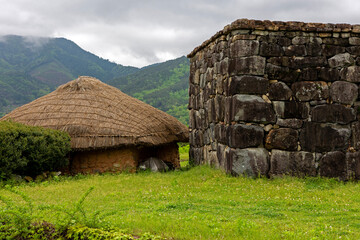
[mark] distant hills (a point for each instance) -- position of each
(31, 67)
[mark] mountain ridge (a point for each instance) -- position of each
(31, 67)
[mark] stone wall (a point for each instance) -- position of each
(273, 98)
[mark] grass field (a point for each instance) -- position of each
(203, 203)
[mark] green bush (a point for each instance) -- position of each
(30, 151)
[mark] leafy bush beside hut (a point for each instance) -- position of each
(28, 150)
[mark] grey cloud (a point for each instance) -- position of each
(142, 32)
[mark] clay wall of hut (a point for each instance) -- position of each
(273, 98)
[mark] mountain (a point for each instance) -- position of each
(163, 85)
(31, 67)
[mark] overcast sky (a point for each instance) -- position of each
(142, 32)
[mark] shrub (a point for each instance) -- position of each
(30, 151)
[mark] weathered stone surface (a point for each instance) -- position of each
(290, 123)
(210, 108)
(351, 74)
(336, 41)
(192, 120)
(242, 48)
(300, 40)
(321, 137)
(332, 50)
(252, 108)
(295, 50)
(228, 110)
(250, 162)
(221, 133)
(343, 92)
(243, 136)
(314, 49)
(307, 91)
(293, 163)
(196, 156)
(341, 60)
(219, 108)
(254, 65)
(224, 157)
(333, 113)
(333, 165)
(355, 136)
(291, 109)
(353, 165)
(304, 62)
(281, 73)
(282, 138)
(354, 41)
(279, 91)
(355, 50)
(247, 84)
(270, 49)
(308, 74)
(329, 74)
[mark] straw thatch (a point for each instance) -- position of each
(97, 115)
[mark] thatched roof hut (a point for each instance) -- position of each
(99, 117)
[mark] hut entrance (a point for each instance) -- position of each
(168, 153)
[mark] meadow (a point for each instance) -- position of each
(205, 203)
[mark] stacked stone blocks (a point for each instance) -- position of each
(274, 98)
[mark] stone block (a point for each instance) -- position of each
(354, 50)
(196, 156)
(304, 62)
(322, 137)
(355, 136)
(343, 92)
(291, 109)
(243, 48)
(341, 60)
(221, 133)
(279, 91)
(328, 74)
(244, 136)
(253, 109)
(222, 152)
(219, 108)
(333, 165)
(308, 74)
(332, 50)
(336, 41)
(254, 65)
(228, 110)
(354, 41)
(270, 50)
(300, 40)
(281, 73)
(350, 74)
(308, 90)
(314, 49)
(293, 163)
(333, 113)
(295, 50)
(248, 85)
(210, 108)
(353, 165)
(251, 162)
(290, 123)
(192, 119)
(282, 138)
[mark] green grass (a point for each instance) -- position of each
(184, 154)
(203, 203)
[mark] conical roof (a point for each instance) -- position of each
(97, 115)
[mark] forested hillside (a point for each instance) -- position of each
(164, 86)
(31, 67)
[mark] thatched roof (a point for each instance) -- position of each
(97, 115)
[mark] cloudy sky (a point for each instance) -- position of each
(142, 32)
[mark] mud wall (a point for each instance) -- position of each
(274, 98)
